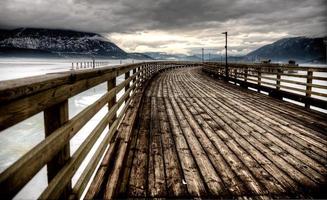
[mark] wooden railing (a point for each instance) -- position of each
(87, 64)
(23, 98)
(307, 85)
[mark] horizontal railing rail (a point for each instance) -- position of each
(23, 98)
(307, 85)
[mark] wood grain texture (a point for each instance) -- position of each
(199, 137)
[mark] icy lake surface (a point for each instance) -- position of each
(17, 140)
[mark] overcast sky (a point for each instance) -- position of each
(174, 26)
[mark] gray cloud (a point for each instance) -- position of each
(199, 21)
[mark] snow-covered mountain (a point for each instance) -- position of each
(59, 43)
(302, 49)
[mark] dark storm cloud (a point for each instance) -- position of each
(127, 15)
(199, 18)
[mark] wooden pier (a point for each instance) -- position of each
(185, 130)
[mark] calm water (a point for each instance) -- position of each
(17, 140)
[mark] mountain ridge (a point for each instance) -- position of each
(302, 49)
(60, 43)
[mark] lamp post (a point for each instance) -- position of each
(226, 66)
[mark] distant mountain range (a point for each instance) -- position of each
(300, 49)
(31, 42)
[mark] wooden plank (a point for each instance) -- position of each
(102, 173)
(295, 139)
(123, 187)
(174, 173)
(125, 130)
(157, 179)
(267, 152)
(138, 178)
(187, 123)
(193, 180)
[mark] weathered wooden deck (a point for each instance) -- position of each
(180, 130)
(203, 138)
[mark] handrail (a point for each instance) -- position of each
(271, 78)
(22, 98)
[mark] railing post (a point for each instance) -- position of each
(138, 76)
(54, 117)
(143, 73)
(127, 74)
(276, 93)
(279, 72)
(134, 72)
(110, 85)
(246, 74)
(259, 78)
(309, 87)
(147, 72)
(235, 75)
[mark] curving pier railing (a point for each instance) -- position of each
(307, 85)
(23, 98)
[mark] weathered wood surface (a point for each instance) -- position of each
(198, 137)
(50, 93)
